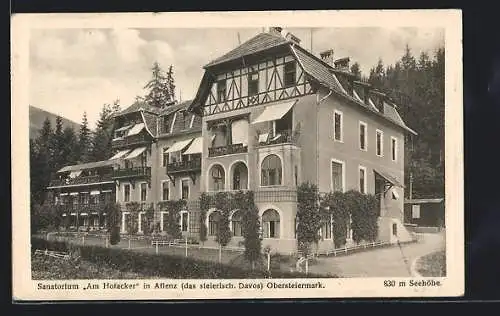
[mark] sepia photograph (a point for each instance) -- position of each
(256, 158)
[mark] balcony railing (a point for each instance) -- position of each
(227, 150)
(132, 172)
(184, 166)
(265, 196)
(81, 180)
(282, 137)
(129, 140)
(79, 208)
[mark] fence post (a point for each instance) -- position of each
(83, 240)
(220, 253)
(268, 261)
(106, 241)
(345, 248)
(129, 243)
(186, 244)
(156, 247)
(307, 265)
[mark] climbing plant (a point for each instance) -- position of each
(148, 218)
(363, 210)
(173, 209)
(250, 227)
(204, 206)
(113, 213)
(334, 204)
(132, 220)
(223, 204)
(308, 217)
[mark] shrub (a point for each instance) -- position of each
(363, 210)
(114, 237)
(334, 205)
(166, 266)
(251, 229)
(308, 217)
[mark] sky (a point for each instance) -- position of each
(77, 70)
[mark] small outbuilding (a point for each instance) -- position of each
(424, 212)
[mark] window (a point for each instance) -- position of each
(362, 180)
(394, 148)
(165, 157)
(217, 176)
(337, 176)
(240, 176)
(337, 126)
(213, 223)
(185, 189)
(184, 221)
(362, 135)
(326, 229)
(290, 73)
(221, 91)
(271, 224)
(415, 211)
(253, 83)
(94, 199)
(126, 192)
(165, 193)
(380, 143)
(236, 224)
(271, 171)
(144, 191)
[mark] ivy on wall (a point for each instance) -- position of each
(132, 220)
(204, 206)
(224, 205)
(363, 210)
(308, 217)
(250, 227)
(173, 209)
(334, 206)
(113, 212)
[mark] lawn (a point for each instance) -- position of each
(432, 265)
(48, 268)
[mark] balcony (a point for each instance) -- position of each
(281, 137)
(135, 172)
(88, 180)
(140, 139)
(227, 150)
(184, 166)
(79, 208)
(261, 196)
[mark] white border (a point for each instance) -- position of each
(450, 20)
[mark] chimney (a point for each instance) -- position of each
(276, 30)
(327, 57)
(342, 64)
(292, 38)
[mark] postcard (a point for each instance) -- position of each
(237, 155)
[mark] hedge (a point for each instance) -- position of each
(162, 265)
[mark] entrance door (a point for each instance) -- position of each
(379, 194)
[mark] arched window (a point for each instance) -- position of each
(217, 178)
(236, 224)
(240, 176)
(213, 223)
(271, 224)
(271, 171)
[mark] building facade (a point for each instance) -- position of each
(267, 117)
(275, 116)
(80, 193)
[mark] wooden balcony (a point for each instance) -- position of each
(134, 140)
(88, 180)
(227, 150)
(281, 137)
(136, 172)
(192, 165)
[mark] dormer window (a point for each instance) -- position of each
(253, 83)
(290, 74)
(221, 91)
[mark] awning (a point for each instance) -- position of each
(94, 192)
(120, 154)
(392, 180)
(136, 152)
(73, 193)
(63, 194)
(196, 147)
(84, 214)
(274, 112)
(75, 174)
(64, 215)
(124, 128)
(106, 191)
(178, 146)
(136, 129)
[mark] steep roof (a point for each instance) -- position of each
(257, 43)
(88, 165)
(139, 105)
(175, 107)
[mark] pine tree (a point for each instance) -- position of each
(377, 75)
(69, 153)
(160, 87)
(101, 148)
(42, 164)
(84, 140)
(355, 69)
(58, 144)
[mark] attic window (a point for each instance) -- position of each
(290, 73)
